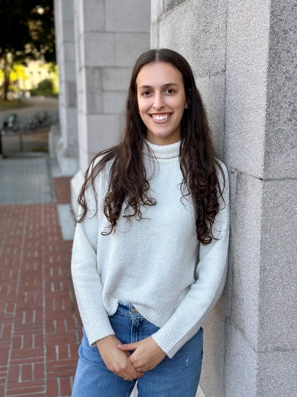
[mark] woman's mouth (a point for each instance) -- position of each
(160, 116)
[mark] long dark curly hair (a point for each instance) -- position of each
(128, 184)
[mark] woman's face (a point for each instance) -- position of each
(161, 101)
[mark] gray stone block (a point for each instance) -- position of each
(154, 35)
(170, 4)
(212, 90)
(67, 10)
(198, 31)
(78, 18)
(93, 15)
(246, 75)
(84, 161)
(71, 116)
(245, 258)
(92, 91)
(277, 374)
(73, 141)
(63, 121)
(99, 49)
(157, 10)
(104, 131)
(70, 94)
(128, 47)
(240, 366)
(278, 275)
(116, 79)
(213, 354)
(69, 71)
(114, 102)
(127, 16)
(62, 98)
(67, 32)
(67, 53)
(281, 123)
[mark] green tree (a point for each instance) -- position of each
(26, 32)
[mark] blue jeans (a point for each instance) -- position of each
(175, 377)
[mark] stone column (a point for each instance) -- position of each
(244, 58)
(261, 152)
(67, 147)
(110, 35)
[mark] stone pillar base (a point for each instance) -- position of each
(75, 185)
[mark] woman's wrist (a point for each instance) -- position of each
(104, 340)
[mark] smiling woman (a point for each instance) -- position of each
(150, 247)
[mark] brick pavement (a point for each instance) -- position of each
(39, 322)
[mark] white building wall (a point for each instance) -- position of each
(109, 36)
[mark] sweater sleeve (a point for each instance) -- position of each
(204, 293)
(86, 275)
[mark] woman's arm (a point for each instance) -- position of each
(88, 291)
(85, 276)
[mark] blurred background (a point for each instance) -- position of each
(28, 76)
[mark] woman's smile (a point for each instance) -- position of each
(160, 117)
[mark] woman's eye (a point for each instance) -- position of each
(170, 91)
(146, 93)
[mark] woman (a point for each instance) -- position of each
(150, 248)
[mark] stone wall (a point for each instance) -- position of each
(109, 36)
(244, 58)
(67, 147)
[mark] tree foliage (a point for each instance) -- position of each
(26, 32)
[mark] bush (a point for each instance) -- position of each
(44, 88)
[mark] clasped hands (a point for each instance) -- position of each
(118, 359)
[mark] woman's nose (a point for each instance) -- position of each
(158, 101)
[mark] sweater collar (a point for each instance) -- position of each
(163, 151)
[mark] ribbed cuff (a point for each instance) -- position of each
(169, 339)
(97, 327)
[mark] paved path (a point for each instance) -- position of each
(36, 103)
(39, 323)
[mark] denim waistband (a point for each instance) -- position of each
(127, 309)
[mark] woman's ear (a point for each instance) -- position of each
(186, 106)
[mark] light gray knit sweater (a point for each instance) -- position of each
(151, 263)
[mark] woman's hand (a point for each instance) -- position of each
(115, 360)
(147, 354)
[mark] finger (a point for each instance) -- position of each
(128, 377)
(128, 346)
(140, 370)
(132, 371)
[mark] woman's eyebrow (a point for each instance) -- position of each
(164, 85)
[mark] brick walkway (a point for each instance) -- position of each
(39, 323)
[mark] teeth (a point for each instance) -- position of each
(160, 117)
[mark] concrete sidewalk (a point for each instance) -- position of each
(39, 322)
